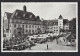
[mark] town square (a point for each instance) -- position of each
(39, 27)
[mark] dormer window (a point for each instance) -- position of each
(16, 14)
(19, 17)
(17, 21)
(30, 16)
(19, 25)
(14, 25)
(26, 18)
(24, 15)
(51, 23)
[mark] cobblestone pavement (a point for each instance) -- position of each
(51, 46)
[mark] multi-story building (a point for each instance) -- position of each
(54, 26)
(66, 24)
(51, 26)
(72, 27)
(22, 22)
(60, 22)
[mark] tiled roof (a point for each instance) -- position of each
(8, 15)
(60, 17)
(71, 37)
(51, 22)
(19, 14)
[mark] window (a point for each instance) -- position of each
(4, 30)
(7, 30)
(32, 26)
(20, 21)
(10, 25)
(16, 14)
(60, 24)
(10, 31)
(19, 17)
(38, 26)
(26, 26)
(15, 31)
(24, 15)
(29, 26)
(43, 26)
(35, 26)
(33, 31)
(26, 30)
(14, 20)
(14, 25)
(19, 25)
(29, 30)
(47, 23)
(30, 16)
(23, 31)
(22, 25)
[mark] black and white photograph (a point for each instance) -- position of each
(39, 27)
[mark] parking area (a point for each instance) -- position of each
(53, 46)
(37, 42)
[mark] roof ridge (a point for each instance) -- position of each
(8, 12)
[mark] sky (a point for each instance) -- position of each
(46, 10)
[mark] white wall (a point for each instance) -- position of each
(60, 23)
(28, 24)
(55, 29)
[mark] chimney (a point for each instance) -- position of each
(24, 8)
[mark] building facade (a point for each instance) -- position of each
(72, 24)
(23, 23)
(56, 25)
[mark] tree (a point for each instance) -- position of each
(65, 21)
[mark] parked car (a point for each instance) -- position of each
(8, 47)
(21, 46)
(16, 47)
(31, 43)
(4, 48)
(42, 41)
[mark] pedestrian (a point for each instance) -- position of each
(29, 47)
(57, 40)
(47, 46)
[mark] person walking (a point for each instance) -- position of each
(57, 40)
(47, 46)
(29, 47)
